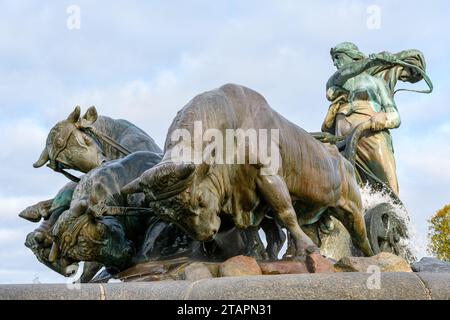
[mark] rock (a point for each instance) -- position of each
(429, 264)
(337, 244)
(197, 271)
(387, 262)
(283, 267)
(240, 266)
(316, 263)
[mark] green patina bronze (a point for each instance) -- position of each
(362, 90)
(130, 208)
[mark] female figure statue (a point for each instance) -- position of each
(362, 89)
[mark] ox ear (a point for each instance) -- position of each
(91, 115)
(75, 115)
(42, 159)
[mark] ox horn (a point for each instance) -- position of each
(160, 177)
(54, 253)
(42, 159)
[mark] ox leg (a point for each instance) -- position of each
(275, 192)
(353, 220)
(254, 246)
(275, 237)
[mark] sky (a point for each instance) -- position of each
(143, 61)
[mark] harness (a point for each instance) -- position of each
(347, 145)
(422, 73)
(69, 237)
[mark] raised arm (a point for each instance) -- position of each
(348, 71)
(352, 69)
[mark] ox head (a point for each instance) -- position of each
(69, 147)
(40, 242)
(182, 193)
(80, 236)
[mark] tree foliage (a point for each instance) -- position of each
(439, 234)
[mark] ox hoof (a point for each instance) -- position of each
(290, 253)
(312, 249)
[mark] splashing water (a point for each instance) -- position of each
(412, 243)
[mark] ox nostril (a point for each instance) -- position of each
(214, 231)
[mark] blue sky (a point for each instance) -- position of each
(143, 61)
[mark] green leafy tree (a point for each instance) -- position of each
(439, 234)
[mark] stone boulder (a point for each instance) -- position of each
(239, 266)
(283, 267)
(316, 263)
(337, 244)
(197, 271)
(429, 264)
(387, 262)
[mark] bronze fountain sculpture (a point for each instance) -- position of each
(90, 144)
(135, 204)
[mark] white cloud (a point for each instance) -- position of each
(444, 129)
(423, 163)
(23, 137)
(22, 144)
(426, 155)
(11, 206)
(8, 236)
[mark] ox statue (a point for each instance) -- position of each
(71, 231)
(80, 143)
(200, 196)
(84, 143)
(89, 231)
(117, 231)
